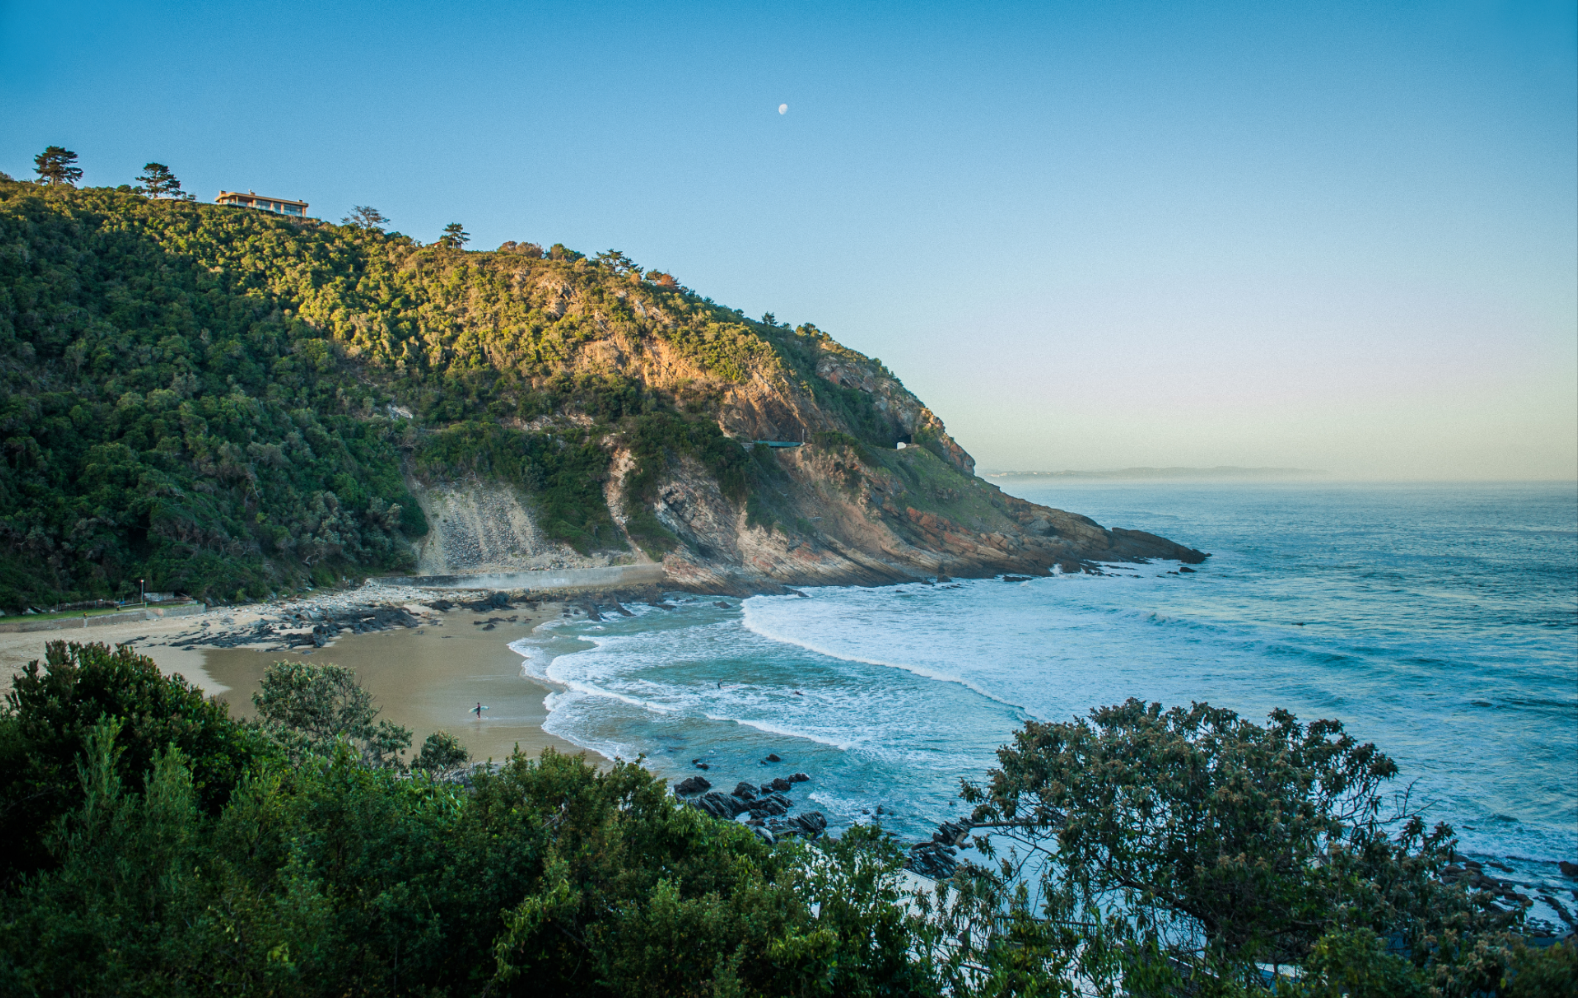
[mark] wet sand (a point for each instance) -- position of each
(427, 680)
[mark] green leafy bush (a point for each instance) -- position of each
(441, 751)
(50, 712)
(1194, 844)
(322, 875)
(309, 707)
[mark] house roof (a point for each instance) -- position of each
(226, 195)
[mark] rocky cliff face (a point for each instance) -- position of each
(836, 519)
(876, 491)
(487, 528)
(903, 503)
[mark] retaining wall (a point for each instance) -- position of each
(567, 578)
(101, 620)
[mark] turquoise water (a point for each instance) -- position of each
(1439, 621)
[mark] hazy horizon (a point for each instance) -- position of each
(1158, 235)
(1252, 475)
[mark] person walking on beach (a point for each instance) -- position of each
(477, 710)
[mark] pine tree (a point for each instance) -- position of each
(56, 165)
(454, 236)
(158, 182)
(367, 217)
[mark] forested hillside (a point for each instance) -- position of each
(229, 403)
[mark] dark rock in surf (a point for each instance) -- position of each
(744, 791)
(798, 778)
(1568, 869)
(952, 833)
(692, 785)
(1185, 570)
(812, 823)
(780, 784)
(719, 805)
(770, 806)
(773, 757)
(931, 859)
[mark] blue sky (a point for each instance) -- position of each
(1334, 236)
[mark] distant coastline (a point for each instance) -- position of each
(1218, 473)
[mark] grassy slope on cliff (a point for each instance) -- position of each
(202, 396)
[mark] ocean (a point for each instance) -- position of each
(1439, 621)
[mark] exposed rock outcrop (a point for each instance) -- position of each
(477, 527)
(876, 492)
(845, 514)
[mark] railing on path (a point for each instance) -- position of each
(559, 578)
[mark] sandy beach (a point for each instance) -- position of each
(426, 678)
(19, 648)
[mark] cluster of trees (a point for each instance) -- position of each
(57, 165)
(1192, 851)
(202, 396)
(150, 844)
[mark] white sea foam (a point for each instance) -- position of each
(534, 659)
(786, 732)
(909, 688)
(870, 743)
(561, 725)
(756, 625)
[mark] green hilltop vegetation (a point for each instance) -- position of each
(216, 398)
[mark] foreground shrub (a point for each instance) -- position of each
(1194, 847)
(307, 707)
(322, 874)
(50, 712)
(176, 851)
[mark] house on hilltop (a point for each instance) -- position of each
(251, 199)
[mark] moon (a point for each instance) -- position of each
(783, 108)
